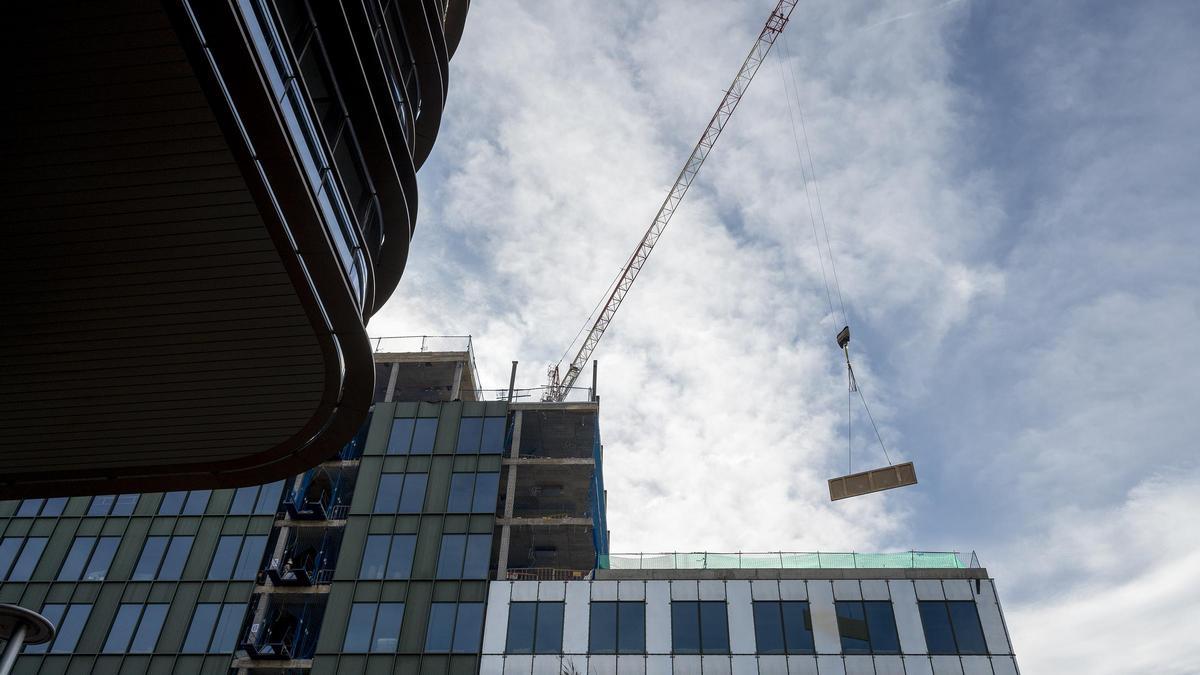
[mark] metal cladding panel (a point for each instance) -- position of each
(491, 665)
(631, 665)
(847, 589)
(989, 616)
(745, 665)
(802, 665)
(976, 665)
(765, 589)
(1004, 665)
(741, 617)
(544, 664)
(908, 617)
(576, 616)
(773, 665)
(495, 626)
(686, 665)
(793, 589)
(658, 665)
(518, 665)
(604, 664)
(716, 665)
(830, 665)
(946, 665)
(658, 617)
(824, 618)
(631, 590)
(876, 480)
(859, 665)
(917, 665)
(889, 665)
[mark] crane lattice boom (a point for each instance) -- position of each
(557, 389)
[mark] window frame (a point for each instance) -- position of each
(779, 606)
(871, 640)
(617, 606)
(536, 644)
(700, 606)
(953, 626)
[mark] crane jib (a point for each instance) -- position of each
(557, 389)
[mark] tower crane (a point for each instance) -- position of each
(558, 387)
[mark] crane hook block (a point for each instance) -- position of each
(843, 337)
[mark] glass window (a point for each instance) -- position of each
(146, 636)
(54, 506)
(617, 627)
(493, 436)
(454, 627)
(228, 624)
(462, 485)
(250, 559)
(70, 629)
(439, 637)
(102, 557)
(125, 505)
(401, 437)
(699, 627)
(152, 553)
(487, 485)
(400, 558)
(535, 627)
(76, 558)
(478, 558)
(450, 558)
(413, 499)
(197, 502)
(867, 627)
(176, 558)
(172, 503)
(783, 628)
(468, 628)
(9, 547)
(424, 433)
(387, 500)
(201, 628)
(53, 612)
(469, 431)
(31, 553)
(243, 501)
(359, 627)
(29, 508)
(952, 627)
(101, 505)
(602, 628)
(387, 627)
(122, 628)
(268, 498)
(375, 555)
(224, 557)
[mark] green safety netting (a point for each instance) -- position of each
(781, 560)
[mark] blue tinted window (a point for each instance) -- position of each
(359, 627)
(201, 628)
(952, 627)
(122, 629)
(881, 623)
(387, 627)
(424, 433)
(387, 500)
(9, 546)
(797, 628)
(197, 502)
(450, 558)
(250, 559)
(400, 558)
(461, 487)
(440, 634)
(602, 628)
(768, 628)
(125, 505)
(867, 627)
(487, 485)
(375, 556)
(631, 627)
(102, 557)
(714, 628)
(54, 506)
(268, 498)
(243, 500)
(479, 553)
(548, 636)
(685, 627)
(152, 553)
(468, 628)
(172, 503)
(176, 558)
(148, 629)
(939, 636)
(76, 558)
(469, 431)
(493, 436)
(53, 612)
(70, 629)
(852, 626)
(968, 633)
(699, 627)
(225, 636)
(29, 508)
(101, 505)
(401, 436)
(224, 557)
(521, 616)
(31, 553)
(413, 499)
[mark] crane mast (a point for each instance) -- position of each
(557, 388)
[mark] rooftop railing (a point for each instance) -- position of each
(406, 344)
(786, 560)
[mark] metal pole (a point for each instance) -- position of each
(512, 381)
(595, 387)
(13, 649)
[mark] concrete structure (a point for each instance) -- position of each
(203, 204)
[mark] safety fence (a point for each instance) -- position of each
(786, 560)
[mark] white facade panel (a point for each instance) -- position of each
(958, 589)
(518, 665)
(604, 590)
(495, 624)
(712, 590)
(686, 665)
(946, 665)
(658, 665)
(860, 665)
(716, 665)
(745, 665)
(548, 664)
(989, 617)
(524, 591)
(491, 665)
(930, 589)
(824, 618)
(773, 665)
(658, 618)
(976, 665)
(793, 589)
(576, 614)
(889, 665)
(1004, 665)
(631, 590)
(764, 589)
(551, 591)
(875, 589)
(847, 590)
(577, 662)
(802, 665)
(685, 590)
(741, 617)
(604, 664)
(631, 665)
(830, 665)
(908, 617)
(917, 665)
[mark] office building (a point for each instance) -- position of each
(203, 204)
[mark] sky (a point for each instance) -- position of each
(1009, 192)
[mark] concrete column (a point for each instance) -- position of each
(510, 498)
(391, 389)
(456, 388)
